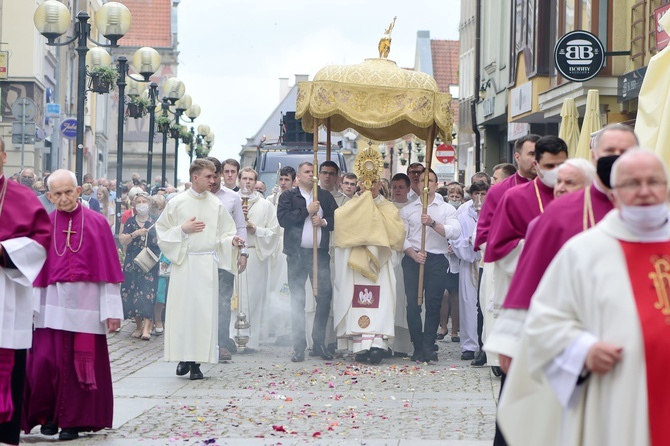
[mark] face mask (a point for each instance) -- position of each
(645, 218)
(142, 208)
(604, 169)
(548, 177)
(455, 204)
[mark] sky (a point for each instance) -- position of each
(233, 52)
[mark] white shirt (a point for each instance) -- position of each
(443, 213)
(233, 204)
(307, 240)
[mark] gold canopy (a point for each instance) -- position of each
(377, 99)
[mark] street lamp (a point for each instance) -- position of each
(173, 90)
(183, 104)
(151, 94)
(52, 19)
(192, 113)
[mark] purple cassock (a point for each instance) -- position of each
(493, 199)
(519, 206)
(566, 217)
(68, 372)
(21, 215)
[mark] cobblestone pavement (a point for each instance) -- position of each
(264, 399)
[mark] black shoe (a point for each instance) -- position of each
(480, 360)
(388, 353)
(332, 347)
(376, 355)
(49, 428)
(440, 336)
(429, 356)
(320, 350)
(362, 357)
(68, 434)
(183, 368)
(230, 345)
(400, 354)
(467, 355)
(418, 352)
(195, 372)
(497, 371)
(298, 357)
(247, 351)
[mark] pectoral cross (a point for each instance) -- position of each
(69, 232)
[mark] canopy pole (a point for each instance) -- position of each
(424, 202)
(315, 193)
(328, 138)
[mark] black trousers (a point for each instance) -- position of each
(10, 431)
(299, 268)
(226, 287)
(434, 285)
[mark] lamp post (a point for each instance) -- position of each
(183, 104)
(52, 19)
(192, 113)
(121, 84)
(173, 90)
(151, 94)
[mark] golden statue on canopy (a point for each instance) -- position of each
(385, 41)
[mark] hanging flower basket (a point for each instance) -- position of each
(420, 158)
(163, 124)
(403, 161)
(174, 133)
(98, 84)
(102, 79)
(136, 110)
(386, 164)
(186, 139)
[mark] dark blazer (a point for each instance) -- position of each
(292, 212)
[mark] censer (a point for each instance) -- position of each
(242, 335)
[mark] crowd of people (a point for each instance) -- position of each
(354, 264)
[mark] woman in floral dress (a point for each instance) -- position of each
(138, 290)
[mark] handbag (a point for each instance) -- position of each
(146, 259)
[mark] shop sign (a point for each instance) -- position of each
(579, 56)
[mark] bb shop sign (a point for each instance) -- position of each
(579, 56)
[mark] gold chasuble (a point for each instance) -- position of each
(371, 230)
(649, 270)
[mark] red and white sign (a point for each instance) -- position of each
(662, 38)
(445, 154)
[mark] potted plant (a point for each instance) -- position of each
(163, 123)
(137, 106)
(103, 79)
(175, 131)
(199, 151)
(185, 135)
(403, 161)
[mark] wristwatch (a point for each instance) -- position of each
(433, 223)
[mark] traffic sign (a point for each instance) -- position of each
(53, 110)
(445, 154)
(68, 128)
(23, 108)
(579, 56)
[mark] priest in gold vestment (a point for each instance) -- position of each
(368, 229)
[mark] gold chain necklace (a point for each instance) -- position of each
(537, 193)
(69, 231)
(588, 216)
(2, 194)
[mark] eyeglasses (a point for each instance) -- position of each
(635, 185)
(415, 172)
(348, 184)
(332, 174)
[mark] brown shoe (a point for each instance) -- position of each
(224, 354)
